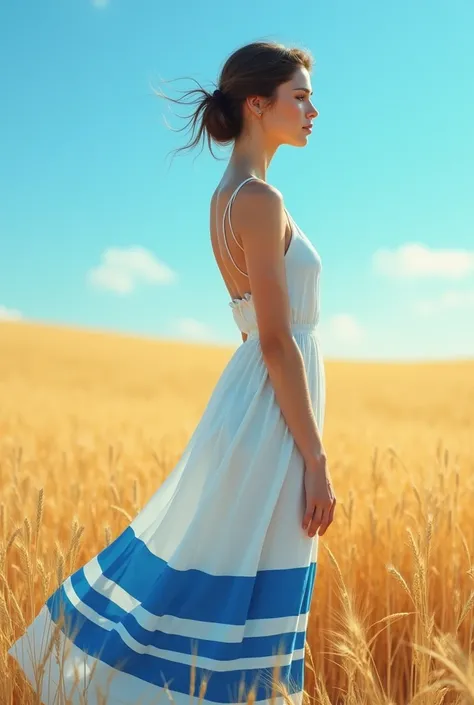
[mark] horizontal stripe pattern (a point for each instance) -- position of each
(237, 628)
(118, 649)
(76, 609)
(196, 595)
(170, 624)
(77, 623)
(84, 676)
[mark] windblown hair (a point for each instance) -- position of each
(255, 69)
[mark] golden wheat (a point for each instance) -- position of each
(91, 424)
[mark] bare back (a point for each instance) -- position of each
(225, 239)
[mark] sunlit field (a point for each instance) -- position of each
(91, 424)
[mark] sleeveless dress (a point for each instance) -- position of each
(205, 596)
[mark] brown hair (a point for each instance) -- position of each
(255, 69)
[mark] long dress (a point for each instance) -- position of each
(205, 596)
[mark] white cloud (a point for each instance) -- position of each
(123, 268)
(448, 301)
(192, 329)
(417, 260)
(10, 314)
(344, 328)
(342, 336)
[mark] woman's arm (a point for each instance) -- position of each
(259, 219)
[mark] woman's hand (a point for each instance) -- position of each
(320, 497)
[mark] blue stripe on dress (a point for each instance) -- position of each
(223, 686)
(248, 647)
(196, 595)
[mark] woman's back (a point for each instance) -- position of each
(301, 261)
(224, 227)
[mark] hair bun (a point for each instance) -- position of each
(220, 98)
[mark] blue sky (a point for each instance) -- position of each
(97, 230)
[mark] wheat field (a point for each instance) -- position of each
(91, 423)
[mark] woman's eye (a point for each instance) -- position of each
(301, 97)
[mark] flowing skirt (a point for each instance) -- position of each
(206, 594)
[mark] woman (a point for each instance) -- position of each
(208, 590)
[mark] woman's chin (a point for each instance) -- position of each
(304, 139)
(300, 141)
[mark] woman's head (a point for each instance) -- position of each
(263, 86)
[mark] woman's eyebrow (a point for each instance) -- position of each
(306, 90)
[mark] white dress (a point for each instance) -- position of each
(216, 570)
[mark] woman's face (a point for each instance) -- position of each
(287, 121)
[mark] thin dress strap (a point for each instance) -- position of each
(228, 209)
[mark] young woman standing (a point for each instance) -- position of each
(211, 583)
